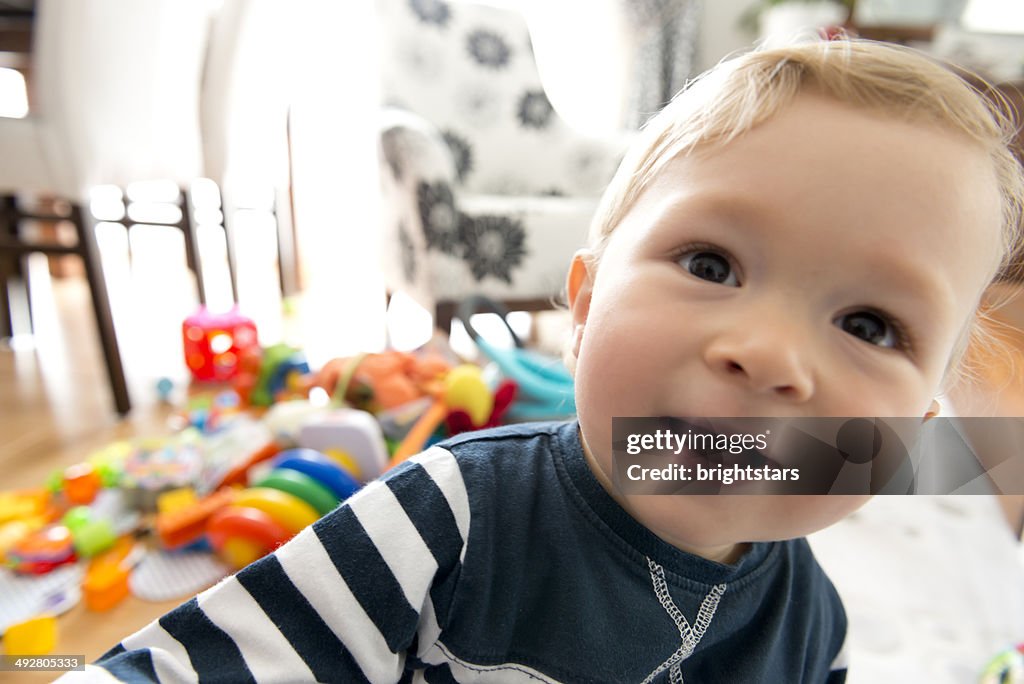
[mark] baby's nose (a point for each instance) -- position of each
(766, 362)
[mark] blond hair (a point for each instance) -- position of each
(742, 92)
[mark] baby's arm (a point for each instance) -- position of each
(343, 601)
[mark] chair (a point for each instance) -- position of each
(114, 89)
(244, 119)
(628, 58)
(487, 190)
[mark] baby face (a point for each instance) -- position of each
(825, 263)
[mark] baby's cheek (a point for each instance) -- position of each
(897, 395)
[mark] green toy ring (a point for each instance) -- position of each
(302, 486)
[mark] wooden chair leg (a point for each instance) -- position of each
(230, 243)
(287, 265)
(188, 228)
(101, 307)
(21, 271)
(14, 267)
(8, 227)
(444, 313)
(284, 212)
(6, 324)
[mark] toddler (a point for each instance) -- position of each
(805, 231)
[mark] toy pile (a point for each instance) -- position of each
(250, 462)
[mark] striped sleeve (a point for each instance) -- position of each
(350, 598)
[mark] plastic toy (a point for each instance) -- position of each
(243, 525)
(463, 388)
(396, 422)
(81, 483)
(378, 382)
(42, 551)
(459, 421)
(321, 468)
(34, 637)
(164, 387)
(288, 510)
(286, 418)
(14, 531)
(183, 526)
(1006, 668)
(214, 343)
(19, 505)
(242, 534)
(259, 520)
(90, 535)
(176, 500)
(302, 486)
(157, 466)
(210, 412)
(21, 514)
(279, 362)
(106, 581)
(238, 473)
(546, 388)
(107, 462)
(353, 435)
(228, 455)
(76, 517)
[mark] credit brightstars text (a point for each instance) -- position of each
(710, 445)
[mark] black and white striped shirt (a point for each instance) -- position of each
(496, 557)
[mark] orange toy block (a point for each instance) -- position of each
(106, 581)
(81, 484)
(239, 475)
(185, 525)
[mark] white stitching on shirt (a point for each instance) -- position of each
(690, 636)
(532, 674)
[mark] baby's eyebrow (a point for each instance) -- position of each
(722, 205)
(910, 280)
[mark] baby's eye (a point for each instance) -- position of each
(870, 327)
(709, 266)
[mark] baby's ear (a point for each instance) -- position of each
(579, 285)
(932, 411)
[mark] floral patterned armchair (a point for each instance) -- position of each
(486, 189)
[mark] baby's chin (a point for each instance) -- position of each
(712, 521)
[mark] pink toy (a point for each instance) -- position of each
(214, 343)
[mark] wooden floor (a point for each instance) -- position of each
(55, 402)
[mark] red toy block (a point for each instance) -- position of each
(215, 343)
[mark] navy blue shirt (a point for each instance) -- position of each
(497, 556)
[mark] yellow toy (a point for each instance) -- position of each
(289, 511)
(34, 637)
(463, 388)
